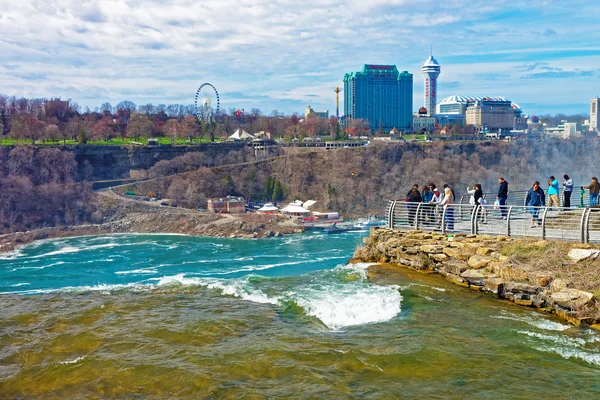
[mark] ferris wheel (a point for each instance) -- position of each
(207, 101)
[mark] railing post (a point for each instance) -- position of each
(443, 225)
(391, 214)
(416, 221)
(508, 215)
(460, 209)
(583, 225)
(544, 223)
(587, 224)
(474, 227)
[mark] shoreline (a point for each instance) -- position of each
(551, 276)
(169, 222)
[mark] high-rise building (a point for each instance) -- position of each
(431, 71)
(594, 113)
(381, 95)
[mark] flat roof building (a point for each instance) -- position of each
(381, 95)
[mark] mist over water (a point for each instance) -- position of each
(169, 316)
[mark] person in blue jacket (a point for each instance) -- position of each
(535, 200)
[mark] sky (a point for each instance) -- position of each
(285, 55)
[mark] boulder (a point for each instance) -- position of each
(520, 287)
(475, 277)
(457, 280)
(456, 253)
(456, 267)
(583, 254)
(438, 257)
(572, 298)
(494, 285)
(484, 251)
(558, 284)
(431, 248)
(478, 262)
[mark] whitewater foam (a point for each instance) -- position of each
(591, 358)
(339, 306)
(241, 288)
(140, 271)
(544, 324)
(75, 361)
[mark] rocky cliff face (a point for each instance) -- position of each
(115, 162)
(478, 263)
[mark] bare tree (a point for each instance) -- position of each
(103, 129)
(106, 108)
(28, 126)
(139, 125)
(52, 132)
(172, 129)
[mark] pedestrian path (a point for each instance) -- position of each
(572, 224)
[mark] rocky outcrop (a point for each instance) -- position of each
(474, 262)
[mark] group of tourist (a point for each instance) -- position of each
(431, 197)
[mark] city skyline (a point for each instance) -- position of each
(542, 55)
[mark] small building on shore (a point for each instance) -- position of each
(295, 209)
(227, 205)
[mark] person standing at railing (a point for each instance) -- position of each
(594, 187)
(436, 199)
(502, 196)
(447, 201)
(553, 192)
(479, 201)
(414, 197)
(472, 193)
(567, 191)
(426, 194)
(535, 199)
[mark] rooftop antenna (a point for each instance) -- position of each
(430, 50)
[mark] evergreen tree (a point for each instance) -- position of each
(277, 191)
(228, 185)
(269, 188)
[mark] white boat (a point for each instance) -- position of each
(369, 222)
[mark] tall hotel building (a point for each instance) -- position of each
(594, 113)
(381, 95)
(431, 71)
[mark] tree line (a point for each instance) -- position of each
(55, 121)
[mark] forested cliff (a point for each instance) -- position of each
(46, 186)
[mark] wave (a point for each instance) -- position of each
(140, 271)
(544, 324)
(340, 306)
(237, 288)
(591, 358)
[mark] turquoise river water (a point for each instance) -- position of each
(169, 316)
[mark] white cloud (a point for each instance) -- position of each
(280, 54)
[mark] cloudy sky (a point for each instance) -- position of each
(284, 55)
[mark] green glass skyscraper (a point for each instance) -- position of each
(381, 95)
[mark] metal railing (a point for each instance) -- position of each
(573, 224)
(517, 198)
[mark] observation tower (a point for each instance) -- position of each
(431, 71)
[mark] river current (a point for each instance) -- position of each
(170, 316)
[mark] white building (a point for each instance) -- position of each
(431, 70)
(594, 114)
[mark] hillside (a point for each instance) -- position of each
(361, 180)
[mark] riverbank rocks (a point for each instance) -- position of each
(485, 263)
(572, 298)
(478, 262)
(583, 254)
